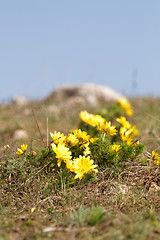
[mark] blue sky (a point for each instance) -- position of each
(46, 44)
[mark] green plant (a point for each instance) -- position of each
(95, 215)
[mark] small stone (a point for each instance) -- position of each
(20, 100)
(20, 134)
(6, 146)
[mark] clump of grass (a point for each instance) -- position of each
(96, 215)
(87, 216)
(78, 216)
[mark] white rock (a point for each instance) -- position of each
(86, 93)
(20, 134)
(100, 92)
(20, 100)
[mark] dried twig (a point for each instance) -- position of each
(38, 127)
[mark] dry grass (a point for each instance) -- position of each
(127, 205)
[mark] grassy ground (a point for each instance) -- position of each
(38, 203)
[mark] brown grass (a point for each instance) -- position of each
(130, 201)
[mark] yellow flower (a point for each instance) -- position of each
(85, 116)
(58, 137)
(99, 122)
(34, 154)
(21, 151)
(93, 140)
(126, 135)
(111, 130)
(91, 119)
(72, 139)
(62, 153)
(156, 157)
(24, 147)
(122, 120)
(33, 209)
(107, 128)
(81, 135)
(83, 165)
(69, 165)
(115, 148)
(87, 150)
(135, 131)
(125, 105)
